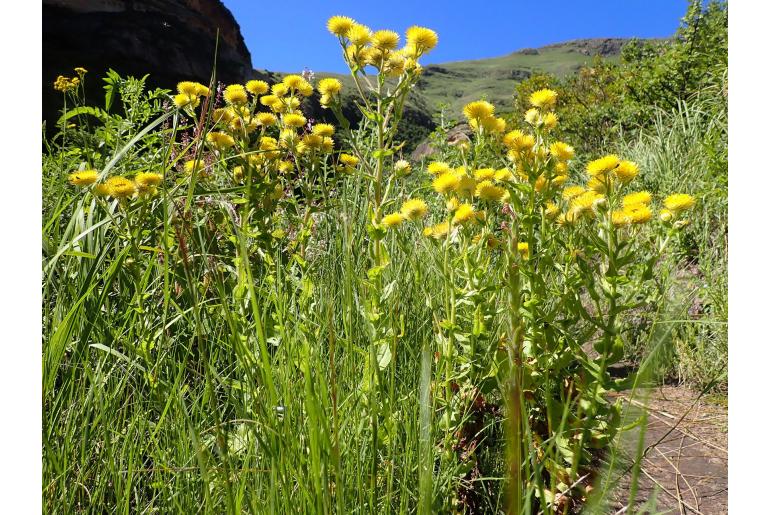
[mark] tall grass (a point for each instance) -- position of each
(687, 149)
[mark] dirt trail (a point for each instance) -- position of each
(685, 468)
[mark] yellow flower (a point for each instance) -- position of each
(438, 167)
(640, 197)
(503, 175)
(83, 178)
(270, 101)
(266, 119)
(359, 34)
(523, 248)
(402, 167)
(313, 141)
(452, 204)
(483, 174)
(393, 220)
(293, 81)
(478, 110)
(120, 187)
(598, 184)
(544, 99)
(639, 213)
(329, 86)
(467, 185)
(485, 190)
(101, 190)
(183, 100)
(238, 174)
(305, 89)
(279, 89)
(666, 215)
(562, 151)
(571, 192)
(80, 71)
(626, 171)
(603, 165)
(385, 39)
(339, 25)
(193, 165)
(446, 182)
(145, 180)
(532, 116)
(679, 202)
(464, 214)
(584, 203)
(285, 166)
(235, 94)
(518, 141)
(437, 231)
(414, 209)
(550, 120)
(220, 140)
(620, 218)
(422, 39)
(188, 88)
(257, 87)
(348, 160)
(294, 120)
(323, 129)
(201, 90)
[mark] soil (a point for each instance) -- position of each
(685, 466)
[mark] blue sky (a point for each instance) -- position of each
(290, 35)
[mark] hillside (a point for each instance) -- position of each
(457, 83)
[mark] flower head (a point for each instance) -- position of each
(339, 25)
(294, 120)
(236, 94)
(486, 190)
(626, 171)
(83, 177)
(220, 140)
(421, 39)
(438, 167)
(483, 174)
(437, 231)
(414, 209)
(393, 220)
(266, 119)
(446, 183)
(348, 160)
(478, 109)
(571, 192)
(463, 214)
(145, 180)
(639, 197)
(562, 151)
(603, 165)
(323, 129)
(257, 87)
(543, 98)
(120, 187)
(679, 202)
(523, 248)
(359, 34)
(385, 39)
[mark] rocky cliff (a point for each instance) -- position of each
(171, 40)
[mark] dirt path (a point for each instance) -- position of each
(685, 468)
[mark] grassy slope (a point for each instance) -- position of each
(460, 82)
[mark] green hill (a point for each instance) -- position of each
(457, 83)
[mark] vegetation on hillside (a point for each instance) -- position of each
(248, 310)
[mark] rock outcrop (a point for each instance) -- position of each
(171, 40)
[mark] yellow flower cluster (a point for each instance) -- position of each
(412, 210)
(481, 116)
(65, 84)
(363, 47)
(189, 93)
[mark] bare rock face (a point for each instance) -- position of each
(171, 40)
